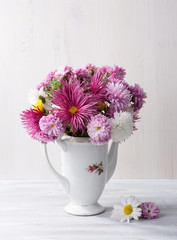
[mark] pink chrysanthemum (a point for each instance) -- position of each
(118, 73)
(105, 71)
(91, 68)
(51, 125)
(30, 120)
(64, 71)
(136, 118)
(98, 88)
(75, 107)
(119, 96)
(48, 78)
(82, 75)
(138, 96)
(149, 210)
(99, 129)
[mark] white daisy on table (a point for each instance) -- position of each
(39, 99)
(129, 210)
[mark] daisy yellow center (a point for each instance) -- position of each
(73, 110)
(128, 209)
(38, 105)
(52, 126)
(98, 128)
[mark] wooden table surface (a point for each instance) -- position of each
(33, 210)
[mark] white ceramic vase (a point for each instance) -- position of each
(86, 168)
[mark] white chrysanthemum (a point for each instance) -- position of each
(35, 96)
(129, 210)
(122, 126)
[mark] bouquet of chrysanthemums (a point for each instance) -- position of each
(93, 102)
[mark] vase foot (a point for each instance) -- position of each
(84, 210)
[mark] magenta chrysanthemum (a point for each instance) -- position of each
(30, 120)
(149, 210)
(82, 75)
(98, 88)
(51, 125)
(135, 119)
(138, 96)
(99, 129)
(75, 107)
(119, 96)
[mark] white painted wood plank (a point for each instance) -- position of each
(38, 36)
(34, 210)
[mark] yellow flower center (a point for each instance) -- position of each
(128, 209)
(38, 105)
(98, 128)
(52, 126)
(73, 110)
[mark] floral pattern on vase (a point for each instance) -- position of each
(97, 168)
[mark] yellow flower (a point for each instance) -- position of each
(40, 100)
(38, 105)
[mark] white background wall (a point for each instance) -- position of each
(139, 35)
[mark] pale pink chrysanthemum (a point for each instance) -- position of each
(99, 129)
(98, 88)
(51, 125)
(119, 96)
(47, 80)
(138, 97)
(113, 79)
(75, 107)
(149, 210)
(30, 120)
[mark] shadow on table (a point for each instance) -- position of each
(106, 213)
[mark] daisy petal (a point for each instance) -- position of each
(117, 207)
(122, 199)
(129, 200)
(124, 218)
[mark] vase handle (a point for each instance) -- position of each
(63, 180)
(112, 159)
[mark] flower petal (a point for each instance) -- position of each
(122, 199)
